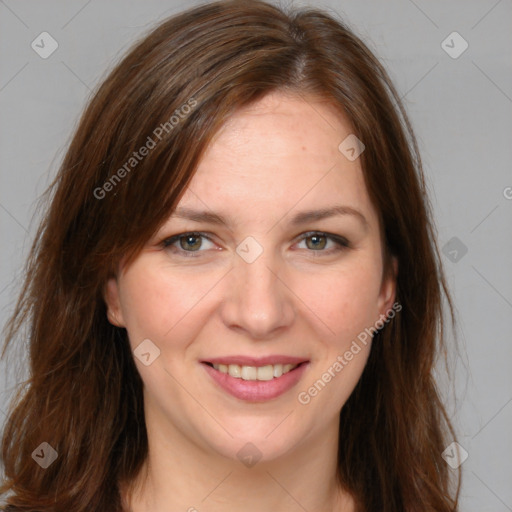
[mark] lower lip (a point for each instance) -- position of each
(256, 390)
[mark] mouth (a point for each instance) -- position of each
(258, 381)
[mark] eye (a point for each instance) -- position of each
(187, 243)
(318, 241)
(191, 244)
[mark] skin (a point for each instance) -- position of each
(270, 161)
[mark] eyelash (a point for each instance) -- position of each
(341, 242)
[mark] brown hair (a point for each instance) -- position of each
(84, 394)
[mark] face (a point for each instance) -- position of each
(253, 297)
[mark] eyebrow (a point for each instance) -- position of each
(297, 219)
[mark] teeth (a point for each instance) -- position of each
(249, 373)
(267, 372)
(233, 369)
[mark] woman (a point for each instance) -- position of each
(235, 296)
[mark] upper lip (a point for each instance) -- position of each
(255, 361)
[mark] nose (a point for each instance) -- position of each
(258, 301)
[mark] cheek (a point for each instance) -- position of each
(345, 300)
(157, 302)
(346, 303)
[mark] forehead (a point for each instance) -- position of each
(279, 154)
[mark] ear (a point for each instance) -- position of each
(111, 297)
(388, 287)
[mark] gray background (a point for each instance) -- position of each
(461, 111)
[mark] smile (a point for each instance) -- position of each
(255, 382)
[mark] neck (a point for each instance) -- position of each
(180, 475)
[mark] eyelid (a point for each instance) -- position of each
(332, 236)
(169, 241)
(340, 241)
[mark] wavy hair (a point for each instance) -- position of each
(177, 87)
